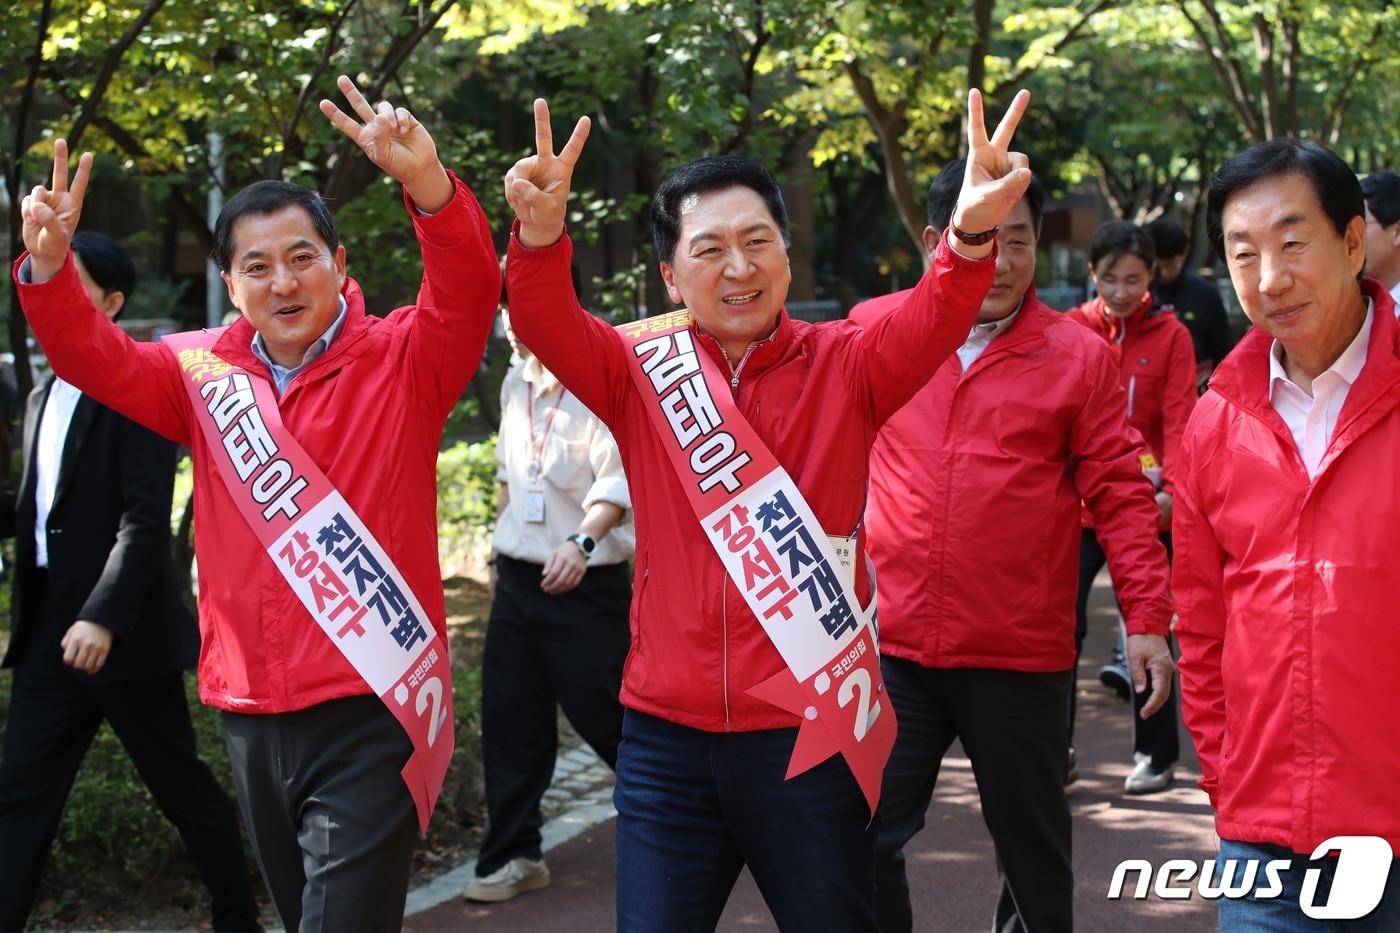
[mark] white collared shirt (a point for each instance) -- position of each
(981, 336)
(1311, 418)
(281, 375)
(1395, 293)
(579, 465)
(48, 458)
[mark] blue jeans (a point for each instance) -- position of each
(693, 808)
(1283, 913)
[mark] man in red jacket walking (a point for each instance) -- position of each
(315, 428)
(975, 489)
(1287, 528)
(746, 436)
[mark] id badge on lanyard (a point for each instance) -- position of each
(534, 490)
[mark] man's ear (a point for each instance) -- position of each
(668, 276)
(1354, 240)
(931, 237)
(340, 262)
(112, 304)
(228, 284)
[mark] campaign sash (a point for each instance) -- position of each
(327, 555)
(774, 550)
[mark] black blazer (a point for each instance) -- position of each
(108, 544)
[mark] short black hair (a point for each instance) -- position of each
(269, 197)
(1121, 238)
(107, 262)
(1332, 179)
(943, 197)
(1169, 237)
(711, 173)
(1382, 192)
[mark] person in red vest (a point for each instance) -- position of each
(1157, 368)
(978, 478)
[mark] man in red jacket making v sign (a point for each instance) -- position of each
(314, 428)
(975, 488)
(733, 603)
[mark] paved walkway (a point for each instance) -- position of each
(951, 864)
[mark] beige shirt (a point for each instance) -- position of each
(579, 465)
(1311, 418)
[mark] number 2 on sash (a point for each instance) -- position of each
(856, 685)
(431, 691)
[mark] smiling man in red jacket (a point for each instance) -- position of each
(1287, 529)
(711, 693)
(975, 490)
(321, 618)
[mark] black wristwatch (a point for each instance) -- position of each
(584, 543)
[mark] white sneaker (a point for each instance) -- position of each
(513, 878)
(1143, 780)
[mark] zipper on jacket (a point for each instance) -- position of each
(724, 634)
(1132, 388)
(735, 370)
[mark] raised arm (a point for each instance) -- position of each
(902, 350)
(585, 353)
(461, 277)
(139, 380)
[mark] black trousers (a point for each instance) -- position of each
(53, 718)
(544, 650)
(331, 819)
(1155, 736)
(1012, 726)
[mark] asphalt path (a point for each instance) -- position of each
(952, 871)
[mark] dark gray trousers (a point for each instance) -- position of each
(331, 820)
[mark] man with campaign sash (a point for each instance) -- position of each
(315, 429)
(756, 727)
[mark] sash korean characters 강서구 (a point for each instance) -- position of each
(774, 551)
(327, 555)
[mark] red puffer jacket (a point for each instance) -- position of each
(975, 488)
(1157, 369)
(369, 412)
(1287, 591)
(815, 394)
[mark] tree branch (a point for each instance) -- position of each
(333, 44)
(1226, 69)
(110, 61)
(1071, 35)
(1264, 56)
(18, 331)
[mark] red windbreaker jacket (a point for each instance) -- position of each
(975, 490)
(369, 412)
(1287, 592)
(1158, 371)
(816, 395)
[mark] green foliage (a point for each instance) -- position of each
(466, 503)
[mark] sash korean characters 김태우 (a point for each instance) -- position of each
(315, 429)
(746, 435)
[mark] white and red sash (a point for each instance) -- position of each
(327, 555)
(773, 549)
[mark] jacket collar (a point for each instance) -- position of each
(1114, 328)
(1243, 377)
(1025, 333)
(761, 354)
(236, 343)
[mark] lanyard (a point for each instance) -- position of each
(537, 448)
